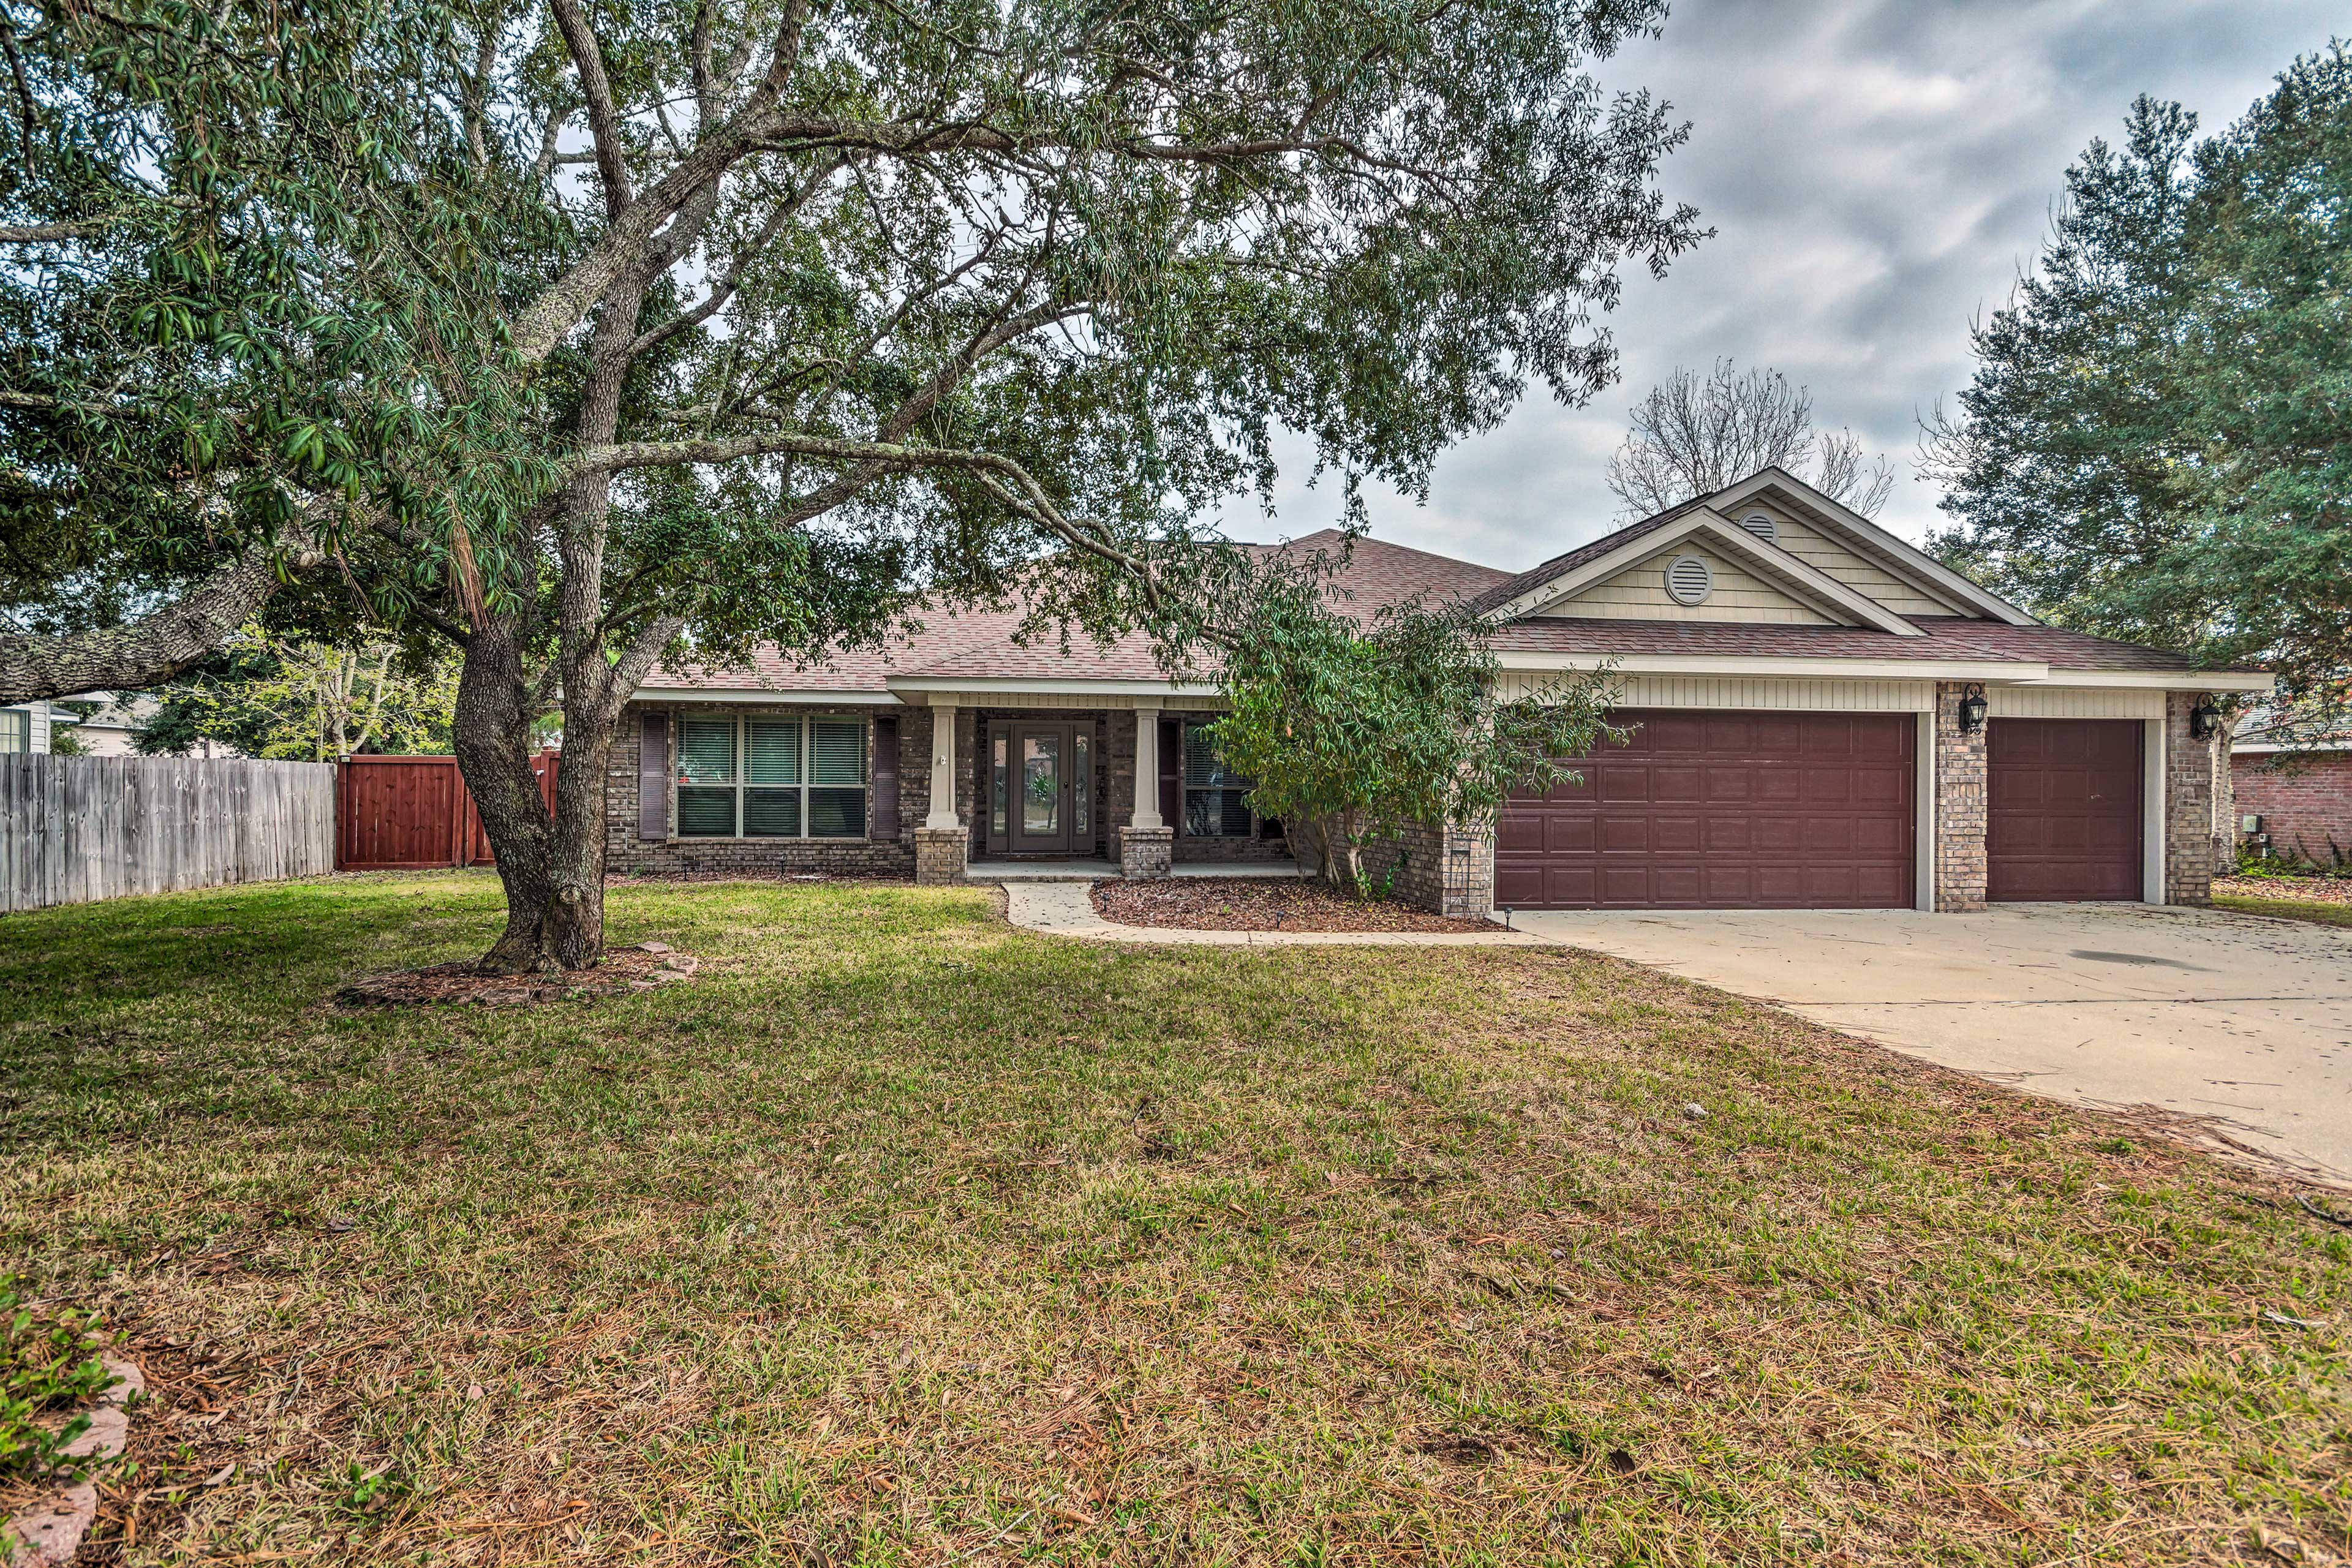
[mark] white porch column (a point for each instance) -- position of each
(943, 765)
(1147, 765)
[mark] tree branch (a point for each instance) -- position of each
(161, 645)
(603, 117)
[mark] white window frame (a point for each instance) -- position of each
(804, 789)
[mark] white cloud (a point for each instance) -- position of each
(1877, 171)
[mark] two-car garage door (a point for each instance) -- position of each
(1718, 809)
(1721, 809)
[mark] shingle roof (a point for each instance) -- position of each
(980, 644)
(1945, 638)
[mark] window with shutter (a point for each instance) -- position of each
(767, 777)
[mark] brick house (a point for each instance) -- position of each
(2300, 794)
(1825, 717)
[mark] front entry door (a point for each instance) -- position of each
(1041, 785)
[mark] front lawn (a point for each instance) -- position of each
(896, 1237)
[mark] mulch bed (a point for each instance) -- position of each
(1259, 903)
(2299, 889)
(624, 970)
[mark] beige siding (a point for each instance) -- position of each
(1830, 696)
(2072, 702)
(1639, 592)
(1832, 559)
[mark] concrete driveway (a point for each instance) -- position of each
(2242, 1021)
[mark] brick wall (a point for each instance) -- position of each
(1424, 874)
(2304, 800)
(625, 852)
(1960, 807)
(2188, 807)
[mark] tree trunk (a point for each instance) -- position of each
(491, 735)
(1329, 842)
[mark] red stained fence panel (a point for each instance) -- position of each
(408, 813)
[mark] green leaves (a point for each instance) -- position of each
(49, 1366)
(2155, 446)
(1360, 727)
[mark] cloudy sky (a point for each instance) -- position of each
(1877, 172)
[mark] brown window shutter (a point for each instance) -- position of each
(653, 777)
(886, 779)
(1171, 773)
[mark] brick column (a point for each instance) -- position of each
(1960, 807)
(2188, 824)
(1146, 843)
(943, 848)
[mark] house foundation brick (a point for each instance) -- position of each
(2187, 807)
(940, 855)
(1961, 805)
(1146, 851)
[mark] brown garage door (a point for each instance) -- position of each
(2064, 818)
(1723, 810)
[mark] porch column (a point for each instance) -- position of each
(1147, 767)
(943, 731)
(1146, 843)
(941, 847)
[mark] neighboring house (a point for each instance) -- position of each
(24, 727)
(113, 730)
(1827, 718)
(2299, 794)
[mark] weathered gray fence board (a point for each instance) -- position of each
(74, 829)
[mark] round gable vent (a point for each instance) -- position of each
(1761, 525)
(1688, 580)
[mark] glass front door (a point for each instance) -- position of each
(1041, 782)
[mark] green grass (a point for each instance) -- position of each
(896, 1236)
(2287, 909)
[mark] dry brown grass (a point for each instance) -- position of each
(902, 1237)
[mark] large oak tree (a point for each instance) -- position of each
(580, 334)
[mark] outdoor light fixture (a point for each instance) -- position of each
(1973, 709)
(2204, 719)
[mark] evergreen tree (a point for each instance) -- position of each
(2158, 441)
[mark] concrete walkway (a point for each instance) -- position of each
(2243, 1022)
(1066, 909)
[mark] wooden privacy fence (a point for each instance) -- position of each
(408, 813)
(74, 829)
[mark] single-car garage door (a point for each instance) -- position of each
(1710, 809)
(2064, 809)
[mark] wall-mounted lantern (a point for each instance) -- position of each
(2205, 718)
(1973, 709)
